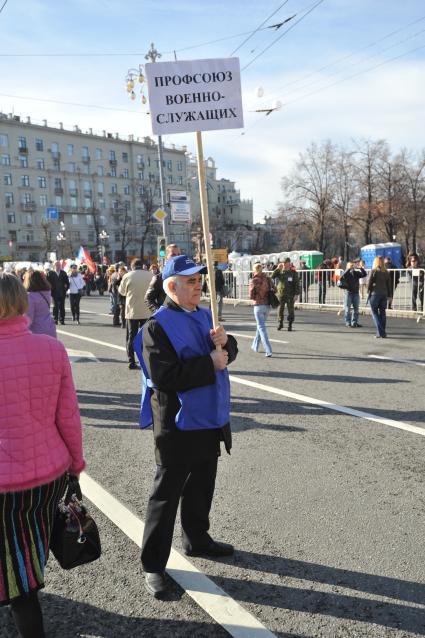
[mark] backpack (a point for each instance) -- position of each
(342, 283)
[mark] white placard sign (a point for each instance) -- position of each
(194, 95)
(180, 211)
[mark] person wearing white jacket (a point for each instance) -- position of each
(76, 285)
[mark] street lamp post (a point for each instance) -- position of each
(103, 238)
(152, 56)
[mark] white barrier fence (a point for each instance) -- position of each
(319, 288)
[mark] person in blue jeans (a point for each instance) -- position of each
(351, 280)
(379, 289)
(259, 288)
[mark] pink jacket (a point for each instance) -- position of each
(40, 426)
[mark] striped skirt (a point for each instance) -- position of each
(26, 521)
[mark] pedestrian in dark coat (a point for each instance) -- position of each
(58, 279)
(155, 295)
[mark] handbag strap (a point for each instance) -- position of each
(47, 302)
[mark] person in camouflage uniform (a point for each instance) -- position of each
(288, 288)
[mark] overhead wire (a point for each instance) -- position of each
(258, 28)
(90, 106)
(3, 5)
(350, 55)
(312, 8)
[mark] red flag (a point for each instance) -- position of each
(105, 260)
(85, 258)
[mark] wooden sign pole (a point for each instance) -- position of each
(206, 228)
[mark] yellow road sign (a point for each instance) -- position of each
(159, 214)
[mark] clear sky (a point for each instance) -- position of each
(338, 40)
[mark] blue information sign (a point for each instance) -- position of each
(52, 213)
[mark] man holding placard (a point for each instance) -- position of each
(186, 396)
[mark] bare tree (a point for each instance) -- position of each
(47, 237)
(146, 219)
(345, 195)
(414, 203)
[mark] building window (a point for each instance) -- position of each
(72, 184)
(23, 161)
(74, 219)
(169, 179)
(73, 202)
(71, 167)
(12, 235)
(26, 198)
(125, 173)
(179, 165)
(4, 140)
(40, 164)
(127, 205)
(117, 235)
(85, 152)
(87, 186)
(7, 179)
(25, 180)
(100, 187)
(59, 200)
(43, 200)
(125, 157)
(180, 180)
(39, 146)
(5, 160)
(87, 202)
(141, 176)
(98, 153)
(89, 220)
(54, 147)
(102, 220)
(11, 218)
(75, 234)
(100, 171)
(70, 150)
(127, 189)
(29, 236)
(58, 182)
(27, 219)
(101, 203)
(114, 188)
(8, 198)
(149, 161)
(169, 165)
(112, 156)
(90, 235)
(41, 182)
(22, 142)
(113, 171)
(139, 159)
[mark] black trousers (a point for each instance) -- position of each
(74, 300)
(417, 292)
(133, 326)
(193, 485)
(59, 308)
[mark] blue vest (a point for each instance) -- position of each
(206, 407)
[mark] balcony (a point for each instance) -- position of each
(59, 191)
(88, 193)
(112, 162)
(140, 165)
(28, 206)
(55, 154)
(85, 159)
(73, 192)
(23, 150)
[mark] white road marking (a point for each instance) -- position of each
(412, 363)
(236, 620)
(330, 406)
(101, 343)
(101, 314)
(77, 355)
(292, 395)
(251, 336)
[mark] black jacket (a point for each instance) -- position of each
(351, 278)
(170, 374)
(155, 295)
(59, 283)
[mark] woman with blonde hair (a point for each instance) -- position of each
(41, 447)
(259, 288)
(379, 289)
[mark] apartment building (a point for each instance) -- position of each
(231, 218)
(100, 186)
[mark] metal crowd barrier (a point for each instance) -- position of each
(319, 289)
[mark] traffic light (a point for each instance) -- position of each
(162, 242)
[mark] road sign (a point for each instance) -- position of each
(159, 214)
(52, 212)
(220, 255)
(194, 95)
(180, 212)
(178, 196)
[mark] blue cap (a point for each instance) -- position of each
(181, 265)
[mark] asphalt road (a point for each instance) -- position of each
(326, 509)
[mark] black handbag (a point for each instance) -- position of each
(75, 538)
(272, 299)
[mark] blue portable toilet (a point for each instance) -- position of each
(388, 249)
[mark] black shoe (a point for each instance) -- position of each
(133, 366)
(280, 325)
(356, 325)
(155, 584)
(62, 323)
(289, 327)
(56, 321)
(214, 548)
